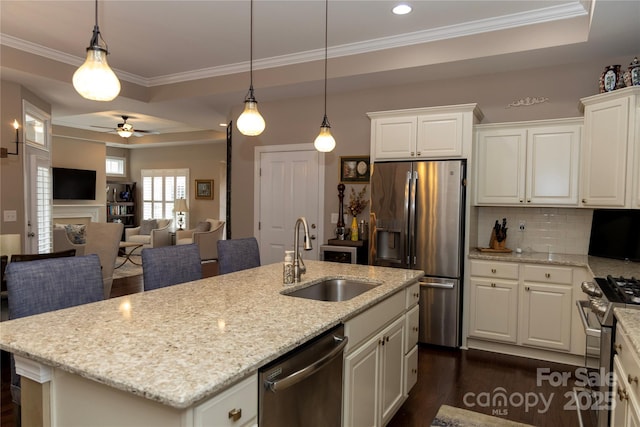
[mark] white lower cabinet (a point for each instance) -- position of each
(626, 378)
(235, 407)
(524, 304)
(381, 360)
(373, 378)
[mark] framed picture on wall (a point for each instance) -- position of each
(354, 169)
(204, 189)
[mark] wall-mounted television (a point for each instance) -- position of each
(74, 184)
(615, 233)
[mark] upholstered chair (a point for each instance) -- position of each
(103, 239)
(238, 254)
(170, 265)
(151, 233)
(35, 287)
(62, 240)
(206, 235)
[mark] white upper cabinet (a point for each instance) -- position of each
(528, 163)
(422, 133)
(610, 175)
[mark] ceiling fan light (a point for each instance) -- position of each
(324, 142)
(94, 79)
(125, 133)
(250, 122)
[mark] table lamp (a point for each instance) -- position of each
(180, 207)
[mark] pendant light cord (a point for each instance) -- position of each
(326, 31)
(251, 49)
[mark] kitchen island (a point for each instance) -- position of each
(175, 347)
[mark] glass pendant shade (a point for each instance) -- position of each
(324, 141)
(94, 79)
(250, 122)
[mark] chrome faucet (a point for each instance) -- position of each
(298, 265)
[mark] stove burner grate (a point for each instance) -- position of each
(627, 289)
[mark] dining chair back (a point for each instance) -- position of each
(44, 285)
(238, 254)
(170, 265)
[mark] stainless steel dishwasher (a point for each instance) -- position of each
(304, 387)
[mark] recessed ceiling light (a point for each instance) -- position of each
(224, 125)
(401, 9)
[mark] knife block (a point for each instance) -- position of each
(493, 242)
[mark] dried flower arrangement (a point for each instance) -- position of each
(357, 201)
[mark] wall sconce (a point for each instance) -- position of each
(5, 152)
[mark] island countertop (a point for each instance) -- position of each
(181, 344)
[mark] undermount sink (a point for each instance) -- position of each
(333, 290)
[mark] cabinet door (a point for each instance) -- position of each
(392, 369)
(493, 309)
(620, 395)
(604, 158)
(501, 161)
(439, 135)
(361, 376)
(395, 137)
(411, 328)
(552, 165)
(410, 370)
(236, 407)
(545, 316)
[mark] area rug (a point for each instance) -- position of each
(448, 416)
(128, 268)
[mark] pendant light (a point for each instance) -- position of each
(250, 122)
(94, 79)
(324, 141)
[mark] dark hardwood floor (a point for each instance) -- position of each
(445, 376)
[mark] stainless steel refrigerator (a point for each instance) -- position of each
(417, 221)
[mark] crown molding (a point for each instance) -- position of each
(539, 16)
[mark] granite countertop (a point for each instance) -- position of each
(600, 267)
(181, 344)
(629, 318)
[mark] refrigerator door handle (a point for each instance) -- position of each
(412, 220)
(407, 218)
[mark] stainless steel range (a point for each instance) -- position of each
(599, 324)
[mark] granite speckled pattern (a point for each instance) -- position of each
(629, 318)
(181, 344)
(600, 267)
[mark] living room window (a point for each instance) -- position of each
(160, 189)
(115, 166)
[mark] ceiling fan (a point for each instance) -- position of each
(126, 130)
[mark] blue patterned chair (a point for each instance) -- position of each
(44, 285)
(170, 265)
(238, 254)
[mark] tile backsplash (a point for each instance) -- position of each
(554, 230)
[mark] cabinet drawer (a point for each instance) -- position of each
(410, 370)
(237, 406)
(411, 328)
(628, 359)
(503, 270)
(412, 294)
(374, 319)
(548, 274)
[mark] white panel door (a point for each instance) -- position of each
(493, 309)
(545, 319)
(289, 189)
(394, 138)
(440, 135)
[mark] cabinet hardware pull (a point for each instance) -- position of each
(493, 285)
(416, 295)
(387, 339)
(418, 153)
(547, 275)
(526, 288)
(493, 270)
(415, 329)
(618, 348)
(235, 414)
(584, 200)
(414, 371)
(528, 200)
(412, 154)
(381, 342)
(521, 201)
(632, 379)
(622, 394)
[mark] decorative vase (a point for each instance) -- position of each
(354, 229)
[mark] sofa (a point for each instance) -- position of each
(151, 233)
(206, 235)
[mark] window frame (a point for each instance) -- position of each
(122, 160)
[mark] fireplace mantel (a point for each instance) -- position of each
(77, 211)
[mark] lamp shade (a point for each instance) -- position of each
(94, 79)
(324, 142)
(10, 244)
(180, 206)
(250, 122)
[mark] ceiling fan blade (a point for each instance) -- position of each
(101, 127)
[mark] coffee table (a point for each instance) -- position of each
(127, 255)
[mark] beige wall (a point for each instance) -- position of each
(298, 120)
(204, 161)
(11, 168)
